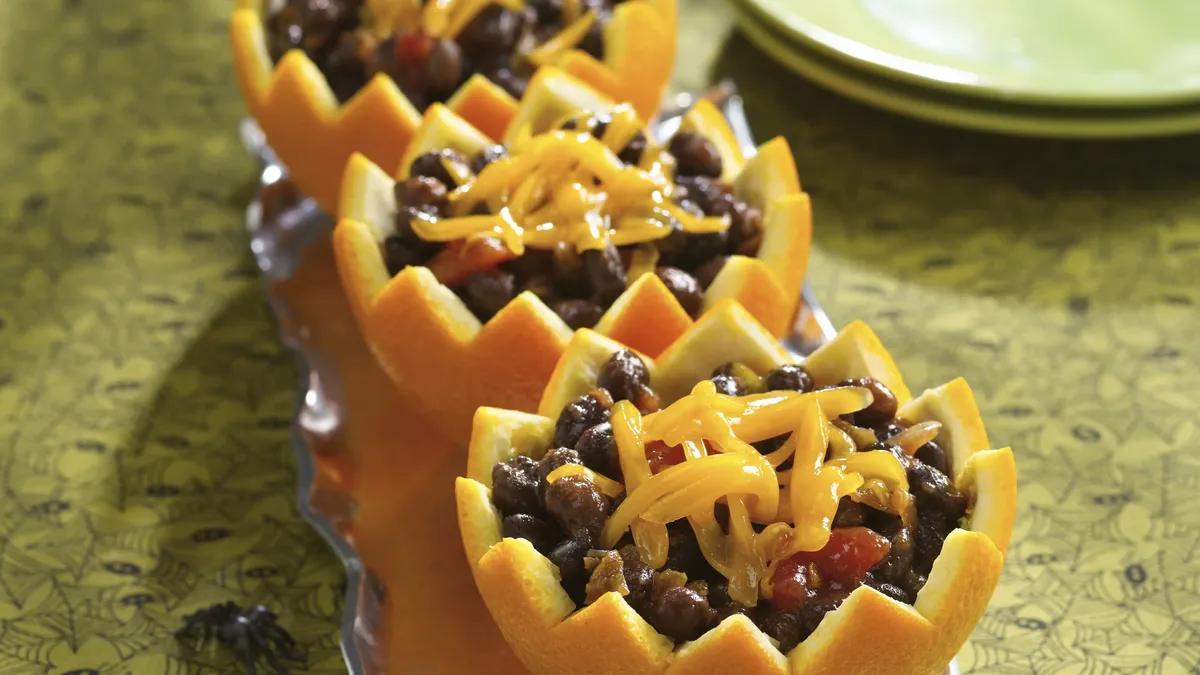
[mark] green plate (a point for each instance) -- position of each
(1060, 52)
(946, 107)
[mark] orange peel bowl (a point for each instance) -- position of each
(869, 634)
(429, 342)
(314, 136)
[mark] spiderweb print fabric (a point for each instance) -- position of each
(145, 462)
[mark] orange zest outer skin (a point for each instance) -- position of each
(427, 343)
(314, 136)
(869, 634)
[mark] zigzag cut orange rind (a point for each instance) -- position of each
(869, 634)
(314, 136)
(428, 341)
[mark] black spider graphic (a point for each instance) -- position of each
(252, 634)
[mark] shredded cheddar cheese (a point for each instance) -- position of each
(715, 432)
(568, 186)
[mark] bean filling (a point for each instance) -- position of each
(578, 286)
(341, 39)
(686, 596)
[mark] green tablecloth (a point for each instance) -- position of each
(145, 399)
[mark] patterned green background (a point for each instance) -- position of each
(142, 479)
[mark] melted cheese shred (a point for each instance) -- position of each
(607, 486)
(568, 186)
(720, 464)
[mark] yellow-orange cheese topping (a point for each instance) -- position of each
(715, 432)
(568, 186)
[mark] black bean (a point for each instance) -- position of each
(548, 12)
(882, 522)
(684, 287)
(488, 292)
(349, 65)
(927, 543)
(286, 29)
(623, 375)
(695, 155)
(897, 565)
(444, 67)
(422, 191)
(691, 207)
(632, 153)
(698, 249)
(933, 490)
(431, 165)
(683, 552)
(406, 215)
(890, 429)
(639, 577)
(674, 243)
(494, 30)
(399, 253)
(514, 486)
(577, 417)
(722, 613)
(891, 590)
(718, 594)
(597, 447)
(932, 454)
(680, 613)
(542, 287)
(730, 385)
(789, 377)
(706, 273)
(723, 204)
(568, 556)
(882, 408)
(880, 446)
(579, 313)
(849, 513)
(578, 507)
(813, 611)
(509, 81)
(552, 460)
(569, 274)
(534, 262)
(745, 230)
(486, 156)
(605, 273)
(783, 626)
(699, 190)
(538, 532)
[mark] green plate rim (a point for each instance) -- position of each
(794, 29)
(944, 108)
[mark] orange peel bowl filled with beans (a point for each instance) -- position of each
(725, 509)
(469, 270)
(327, 78)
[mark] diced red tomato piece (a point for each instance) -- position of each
(662, 455)
(413, 47)
(849, 555)
(464, 257)
(789, 584)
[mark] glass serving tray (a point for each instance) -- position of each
(372, 477)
